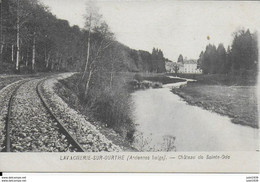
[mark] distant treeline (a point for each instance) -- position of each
(145, 61)
(33, 39)
(240, 59)
(140, 61)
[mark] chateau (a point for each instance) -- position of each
(186, 66)
(189, 66)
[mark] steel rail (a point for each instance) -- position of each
(8, 117)
(63, 129)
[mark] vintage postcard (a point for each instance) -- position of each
(129, 86)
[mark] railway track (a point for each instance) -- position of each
(7, 125)
(54, 127)
(62, 128)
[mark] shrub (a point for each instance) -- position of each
(138, 77)
(109, 105)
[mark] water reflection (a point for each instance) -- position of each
(143, 143)
(167, 123)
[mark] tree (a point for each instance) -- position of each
(92, 20)
(180, 59)
(1, 33)
(221, 60)
(176, 68)
(34, 39)
(99, 39)
(206, 61)
(240, 59)
(158, 61)
(200, 60)
(18, 36)
(244, 51)
(228, 63)
(23, 11)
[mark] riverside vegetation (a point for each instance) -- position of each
(218, 93)
(228, 83)
(111, 109)
(33, 40)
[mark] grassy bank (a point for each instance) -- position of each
(221, 79)
(109, 109)
(163, 79)
(67, 90)
(137, 81)
(237, 102)
(6, 79)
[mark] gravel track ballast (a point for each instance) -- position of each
(33, 129)
(86, 134)
(5, 95)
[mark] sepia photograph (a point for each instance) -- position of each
(116, 76)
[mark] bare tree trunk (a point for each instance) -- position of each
(18, 37)
(1, 53)
(88, 51)
(46, 58)
(12, 53)
(111, 80)
(59, 64)
(1, 32)
(2, 46)
(87, 84)
(27, 56)
(47, 61)
(52, 65)
(33, 53)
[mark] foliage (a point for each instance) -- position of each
(34, 40)
(176, 68)
(158, 61)
(241, 60)
(180, 59)
(146, 61)
(138, 77)
(244, 53)
(222, 99)
(58, 46)
(163, 79)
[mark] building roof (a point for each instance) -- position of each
(190, 61)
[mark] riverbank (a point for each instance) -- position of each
(163, 117)
(121, 133)
(220, 79)
(237, 102)
(145, 81)
(67, 90)
(163, 79)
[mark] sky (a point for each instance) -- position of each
(175, 27)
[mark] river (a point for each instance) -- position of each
(166, 122)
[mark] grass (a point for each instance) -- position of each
(110, 109)
(156, 79)
(6, 79)
(237, 102)
(103, 112)
(221, 79)
(163, 79)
